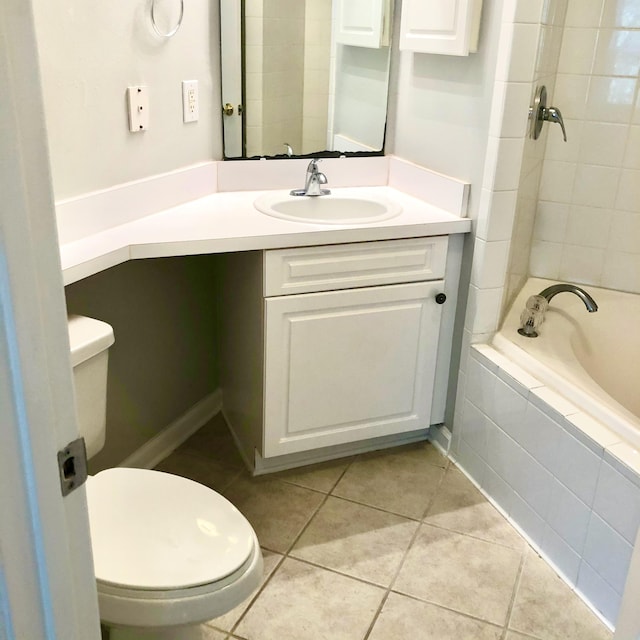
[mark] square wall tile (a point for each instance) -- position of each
(521, 62)
(483, 309)
(568, 516)
(595, 186)
(582, 264)
(502, 454)
(583, 13)
(551, 221)
(489, 263)
(509, 119)
(527, 519)
(561, 555)
(571, 92)
(599, 592)
(508, 409)
(607, 552)
(617, 501)
(532, 482)
(497, 211)
(588, 227)
(474, 429)
(577, 468)
(480, 383)
(540, 435)
(610, 99)
(578, 51)
(628, 197)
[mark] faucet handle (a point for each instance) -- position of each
(553, 115)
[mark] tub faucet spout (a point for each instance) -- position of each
(555, 289)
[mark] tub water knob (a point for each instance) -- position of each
(441, 298)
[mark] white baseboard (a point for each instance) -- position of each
(172, 436)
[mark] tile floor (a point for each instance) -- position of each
(392, 545)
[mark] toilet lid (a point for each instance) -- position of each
(154, 530)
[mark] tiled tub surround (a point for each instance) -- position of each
(568, 481)
(390, 545)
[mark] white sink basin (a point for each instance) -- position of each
(332, 209)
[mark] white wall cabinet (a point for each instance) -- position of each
(331, 345)
(448, 27)
(363, 23)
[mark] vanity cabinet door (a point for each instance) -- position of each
(344, 366)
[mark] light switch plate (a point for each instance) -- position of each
(138, 101)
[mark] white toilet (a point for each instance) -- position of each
(169, 553)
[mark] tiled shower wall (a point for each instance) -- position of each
(317, 54)
(587, 225)
(549, 43)
(274, 33)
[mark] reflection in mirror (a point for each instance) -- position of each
(307, 76)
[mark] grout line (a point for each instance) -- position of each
(285, 555)
(445, 608)
(402, 561)
(514, 593)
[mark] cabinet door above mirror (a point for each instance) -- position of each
(292, 84)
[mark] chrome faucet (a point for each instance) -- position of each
(533, 314)
(312, 186)
(555, 289)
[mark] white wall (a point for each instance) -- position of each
(442, 106)
(89, 54)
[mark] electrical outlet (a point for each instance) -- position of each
(189, 100)
(138, 101)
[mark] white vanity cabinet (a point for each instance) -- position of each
(346, 349)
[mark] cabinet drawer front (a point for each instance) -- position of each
(344, 366)
(347, 266)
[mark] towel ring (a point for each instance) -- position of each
(173, 31)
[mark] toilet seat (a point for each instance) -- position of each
(162, 543)
(157, 531)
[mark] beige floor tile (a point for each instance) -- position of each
(228, 620)
(321, 477)
(401, 480)
(514, 635)
(459, 506)
(545, 607)
(461, 573)
(278, 511)
(303, 602)
(199, 467)
(403, 618)
(357, 540)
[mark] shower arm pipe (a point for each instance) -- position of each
(555, 289)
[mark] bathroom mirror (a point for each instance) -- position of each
(304, 77)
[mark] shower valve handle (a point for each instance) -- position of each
(551, 114)
(539, 113)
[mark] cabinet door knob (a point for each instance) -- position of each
(441, 298)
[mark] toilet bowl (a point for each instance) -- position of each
(169, 553)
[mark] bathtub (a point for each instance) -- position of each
(592, 359)
(548, 428)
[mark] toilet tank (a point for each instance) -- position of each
(90, 341)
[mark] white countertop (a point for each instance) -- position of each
(228, 221)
